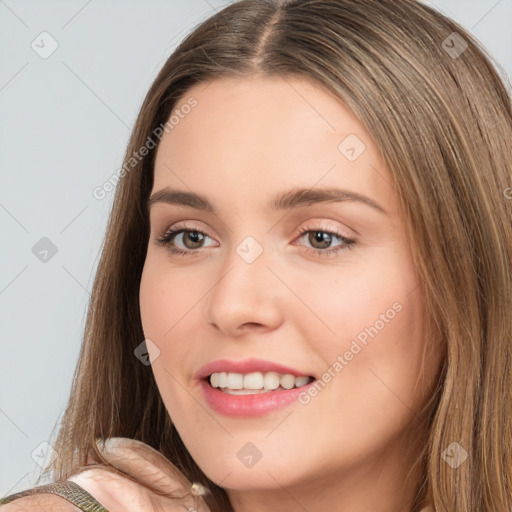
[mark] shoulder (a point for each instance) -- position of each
(39, 503)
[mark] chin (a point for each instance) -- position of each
(248, 480)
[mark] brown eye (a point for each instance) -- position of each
(322, 238)
(320, 241)
(194, 237)
(181, 240)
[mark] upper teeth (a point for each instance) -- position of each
(256, 380)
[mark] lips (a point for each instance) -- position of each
(249, 405)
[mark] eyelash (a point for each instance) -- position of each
(168, 236)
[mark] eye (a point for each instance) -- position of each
(193, 239)
(320, 238)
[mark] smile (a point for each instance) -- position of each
(255, 382)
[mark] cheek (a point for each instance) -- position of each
(165, 295)
(164, 302)
(356, 300)
(368, 326)
(167, 309)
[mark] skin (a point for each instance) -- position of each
(245, 141)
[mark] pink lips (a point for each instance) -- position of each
(247, 405)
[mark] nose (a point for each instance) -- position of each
(246, 296)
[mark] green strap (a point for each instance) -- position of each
(68, 490)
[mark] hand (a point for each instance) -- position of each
(118, 493)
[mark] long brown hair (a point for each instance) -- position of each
(439, 109)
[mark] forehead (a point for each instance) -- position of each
(264, 134)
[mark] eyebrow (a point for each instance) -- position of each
(295, 198)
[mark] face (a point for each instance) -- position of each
(325, 288)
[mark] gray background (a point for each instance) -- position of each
(65, 121)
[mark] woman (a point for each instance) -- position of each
(234, 359)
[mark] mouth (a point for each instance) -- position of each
(256, 382)
(252, 387)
